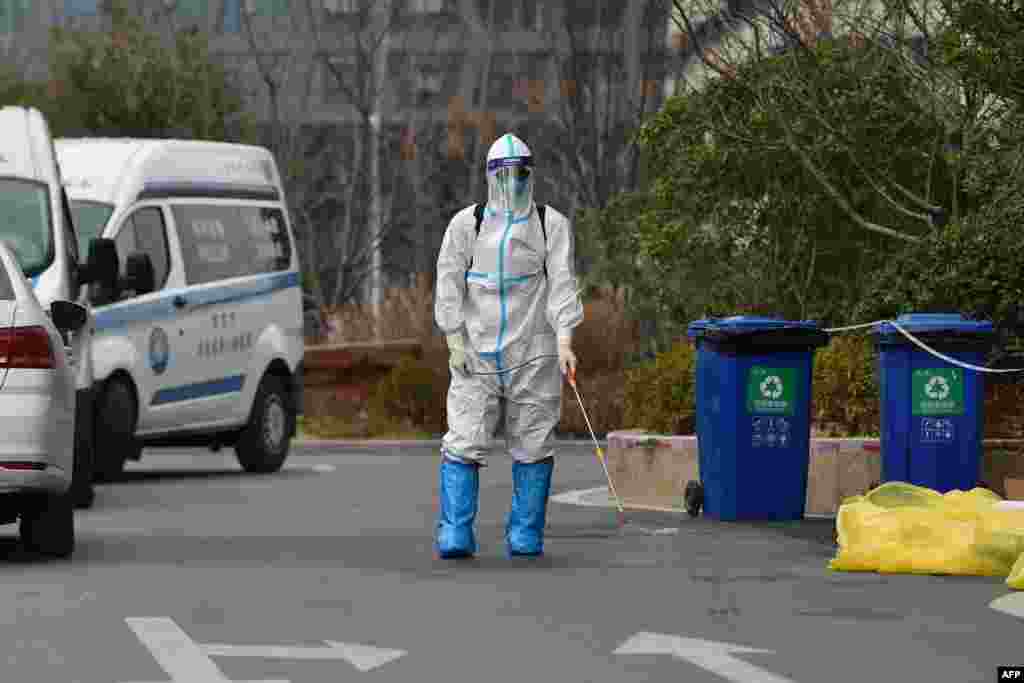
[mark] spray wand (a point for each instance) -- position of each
(597, 446)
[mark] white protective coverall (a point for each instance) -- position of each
(509, 313)
(508, 301)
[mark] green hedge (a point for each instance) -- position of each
(660, 394)
(846, 392)
(412, 395)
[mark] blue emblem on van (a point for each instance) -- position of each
(159, 350)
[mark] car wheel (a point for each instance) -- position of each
(48, 525)
(116, 413)
(82, 492)
(264, 441)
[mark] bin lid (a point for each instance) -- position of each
(697, 327)
(743, 324)
(754, 333)
(953, 323)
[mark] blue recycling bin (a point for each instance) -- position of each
(754, 381)
(931, 410)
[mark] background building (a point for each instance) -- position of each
(381, 111)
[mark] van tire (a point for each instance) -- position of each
(263, 443)
(116, 415)
(47, 525)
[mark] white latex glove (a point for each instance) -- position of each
(566, 358)
(458, 359)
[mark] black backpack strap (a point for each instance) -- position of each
(478, 213)
(544, 231)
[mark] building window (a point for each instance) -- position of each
(268, 8)
(590, 13)
(513, 15)
(424, 80)
(78, 8)
(189, 10)
(338, 7)
(519, 81)
(426, 6)
(12, 15)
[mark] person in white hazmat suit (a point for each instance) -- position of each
(507, 301)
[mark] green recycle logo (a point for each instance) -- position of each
(771, 387)
(937, 388)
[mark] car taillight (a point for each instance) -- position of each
(23, 466)
(26, 348)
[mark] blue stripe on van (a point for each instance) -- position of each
(188, 392)
(118, 315)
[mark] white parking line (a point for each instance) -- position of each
(585, 497)
(1012, 604)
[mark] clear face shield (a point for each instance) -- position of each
(510, 184)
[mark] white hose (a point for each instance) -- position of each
(918, 342)
(966, 366)
(855, 327)
(830, 330)
(516, 367)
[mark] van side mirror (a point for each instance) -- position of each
(138, 274)
(67, 315)
(102, 265)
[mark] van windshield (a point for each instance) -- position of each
(25, 223)
(90, 219)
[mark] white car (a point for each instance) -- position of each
(37, 412)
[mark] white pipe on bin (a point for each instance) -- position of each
(918, 342)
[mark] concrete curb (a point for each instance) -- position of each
(436, 443)
(599, 497)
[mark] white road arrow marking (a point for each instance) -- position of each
(362, 657)
(1012, 604)
(320, 467)
(178, 654)
(707, 654)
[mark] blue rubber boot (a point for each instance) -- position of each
(524, 533)
(460, 487)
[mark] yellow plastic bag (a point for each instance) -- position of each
(1016, 578)
(897, 494)
(901, 528)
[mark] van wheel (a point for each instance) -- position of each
(48, 525)
(263, 443)
(116, 413)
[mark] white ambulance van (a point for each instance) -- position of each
(35, 221)
(199, 339)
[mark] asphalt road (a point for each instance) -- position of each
(193, 571)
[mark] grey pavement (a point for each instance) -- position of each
(189, 552)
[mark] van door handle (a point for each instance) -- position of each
(179, 301)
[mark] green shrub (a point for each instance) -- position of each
(603, 395)
(412, 395)
(660, 393)
(846, 392)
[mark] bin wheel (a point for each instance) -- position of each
(693, 496)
